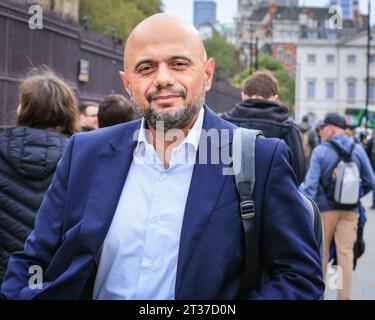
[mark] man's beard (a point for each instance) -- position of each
(171, 119)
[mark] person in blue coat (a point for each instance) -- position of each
(340, 223)
(146, 209)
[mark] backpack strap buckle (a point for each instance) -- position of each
(247, 209)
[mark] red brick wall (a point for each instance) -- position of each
(285, 47)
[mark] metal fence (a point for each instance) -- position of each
(61, 45)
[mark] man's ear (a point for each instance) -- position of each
(274, 98)
(82, 119)
(209, 70)
(125, 81)
(244, 96)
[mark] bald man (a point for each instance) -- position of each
(145, 210)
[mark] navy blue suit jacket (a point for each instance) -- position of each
(77, 210)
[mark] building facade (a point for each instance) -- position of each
(245, 4)
(87, 61)
(279, 28)
(331, 75)
(204, 12)
(347, 7)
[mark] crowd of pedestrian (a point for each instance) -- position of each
(315, 154)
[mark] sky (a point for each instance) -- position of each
(226, 9)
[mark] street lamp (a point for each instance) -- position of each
(245, 52)
(85, 22)
(256, 54)
(252, 29)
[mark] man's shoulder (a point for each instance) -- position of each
(322, 146)
(270, 153)
(264, 143)
(320, 151)
(266, 148)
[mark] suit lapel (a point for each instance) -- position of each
(205, 187)
(109, 177)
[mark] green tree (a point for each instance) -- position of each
(149, 7)
(123, 15)
(286, 82)
(225, 57)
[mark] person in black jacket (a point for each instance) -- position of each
(47, 115)
(261, 110)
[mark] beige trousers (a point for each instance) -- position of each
(342, 226)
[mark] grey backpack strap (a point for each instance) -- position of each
(243, 155)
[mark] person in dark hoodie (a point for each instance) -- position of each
(47, 115)
(338, 224)
(261, 109)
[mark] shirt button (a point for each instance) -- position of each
(150, 265)
(155, 220)
(164, 176)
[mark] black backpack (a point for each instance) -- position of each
(243, 154)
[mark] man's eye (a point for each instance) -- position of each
(179, 65)
(145, 69)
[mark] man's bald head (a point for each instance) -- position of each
(163, 27)
(167, 71)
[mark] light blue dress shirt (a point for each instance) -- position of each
(140, 251)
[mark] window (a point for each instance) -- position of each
(347, 11)
(330, 90)
(312, 35)
(330, 58)
(331, 35)
(288, 57)
(372, 58)
(310, 89)
(352, 59)
(351, 91)
(311, 58)
(371, 92)
(280, 54)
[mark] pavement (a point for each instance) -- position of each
(364, 275)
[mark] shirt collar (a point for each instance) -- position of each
(192, 137)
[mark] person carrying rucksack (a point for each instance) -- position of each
(339, 174)
(370, 149)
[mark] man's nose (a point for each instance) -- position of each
(164, 77)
